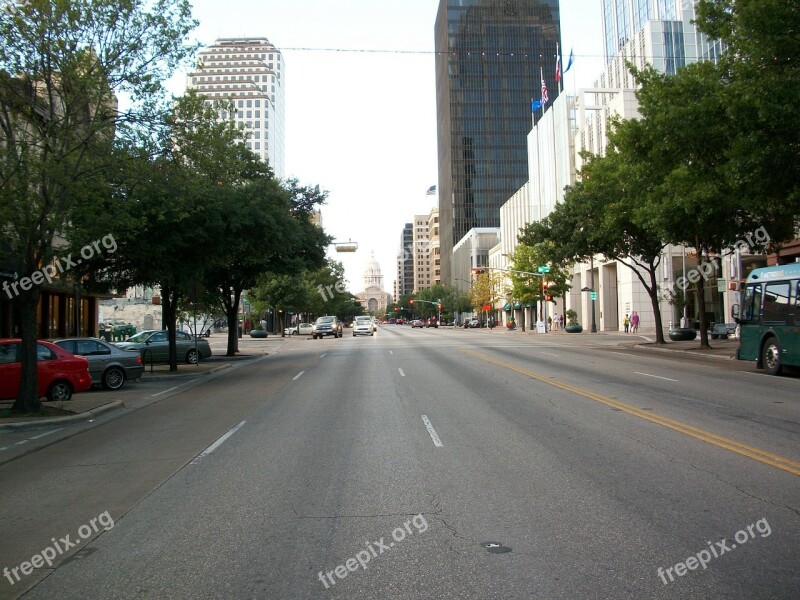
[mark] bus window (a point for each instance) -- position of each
(776, 302)
(751, 307)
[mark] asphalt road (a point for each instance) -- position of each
(425, 464)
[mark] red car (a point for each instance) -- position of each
(60, 373)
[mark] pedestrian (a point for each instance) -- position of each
(635, 322)
(562, 320)
(626, 322)
(555, 322)
(550, 323)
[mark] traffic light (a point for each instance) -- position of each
(549, 298)
(411, 302)
(438, 307)
(396, 309)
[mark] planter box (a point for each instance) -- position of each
(576, 328)
(258, 333)
(683, 335)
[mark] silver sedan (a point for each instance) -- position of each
(108, 365)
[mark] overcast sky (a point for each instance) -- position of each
(362, 124)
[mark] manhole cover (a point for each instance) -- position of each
(496, 547)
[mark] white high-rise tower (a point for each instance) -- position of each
(250, 73)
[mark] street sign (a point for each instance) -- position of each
(594, 295)
(543, 269)
(487, 307)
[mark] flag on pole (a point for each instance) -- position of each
(569, 62)
(535, 105)
(558, 65)
(431, 191)
(544, 88)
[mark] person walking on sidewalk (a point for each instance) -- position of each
(635, 322)
(626, 322)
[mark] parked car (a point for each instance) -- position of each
(301, 329)
(327, 325)
(59, 373)
(416, 323)
(362, 326)
(474, 324)
(109, 366)
(153, 343)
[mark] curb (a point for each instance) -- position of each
(151, 377)
(689, 352)
(92, 413)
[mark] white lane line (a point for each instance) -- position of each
(296, 377)
(218, 443)
(549, 354)
(626, 354)
(169, 390)
(21, 442)
(656, 376)
(434, 436)
(322, 355)
(401, 372)
(41, 435)
(390, 352)
(3, 448)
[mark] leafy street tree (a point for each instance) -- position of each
(761, 73)
(694, 205)
(284, 293)
(61, 64)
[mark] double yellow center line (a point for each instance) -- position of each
(774, 460)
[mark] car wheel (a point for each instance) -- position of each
(294, 332)
(191, 357)
(59, 391)
(771, 356)
(113, 378)
(373, 333)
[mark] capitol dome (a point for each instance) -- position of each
(372, 274)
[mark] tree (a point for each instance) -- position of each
(61, 64)
(694, 203)
(761, 73)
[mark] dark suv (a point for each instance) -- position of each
(328, 325)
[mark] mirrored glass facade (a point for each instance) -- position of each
(491, 55)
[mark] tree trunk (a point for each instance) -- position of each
(27, 400)
(232, 313)
(701, 305)
(653, 292)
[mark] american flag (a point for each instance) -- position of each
(544, 92)
(431, 191)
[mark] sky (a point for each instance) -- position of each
(361, 104)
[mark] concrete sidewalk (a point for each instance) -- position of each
(90, 405)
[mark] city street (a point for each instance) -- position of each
(422, 463)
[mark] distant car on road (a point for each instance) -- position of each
(109, 366)
(474, 324)
(433, 322)
(153, 343)
(362, 326)
(417, 323)
(327, 325)
(60, 374)
(301, 329)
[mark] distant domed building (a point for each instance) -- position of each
(373, 298)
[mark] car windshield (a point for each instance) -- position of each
(325, 320)
(140, 337)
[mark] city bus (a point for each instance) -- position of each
(769, 318)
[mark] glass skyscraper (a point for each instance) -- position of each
(491, 56)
